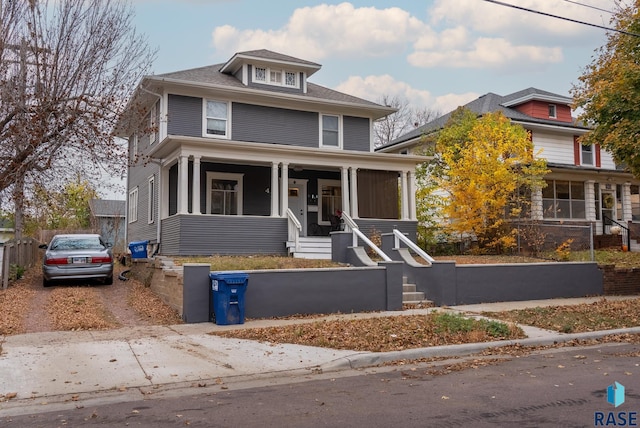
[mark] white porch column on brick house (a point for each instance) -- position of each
(536, 204)
(274, 189)
(196, 185)
(404, 196)
(284, 189)
(626, 202)
(411, 183)
(590, 200)
(345, 188)
(183, 185)
(354, 192)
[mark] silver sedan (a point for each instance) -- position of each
(77, 257)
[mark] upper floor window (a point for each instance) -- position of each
(275, 76)
(134, 147)
(153, 124)
(216, 119)
(587, 154)
(151, 212)
(552, 111)
(330, 130)
(133, 205)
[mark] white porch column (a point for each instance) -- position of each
(196, 185)
(183, 185)
(411, 179)
(590, 200)
(536, 204)
(345, 188)
(354, 192)
(626, 202)
(404, 193)
(284, 189)
(274, 189)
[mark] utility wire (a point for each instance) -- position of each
(589, 6)
(563, 18)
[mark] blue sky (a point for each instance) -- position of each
(436, 54)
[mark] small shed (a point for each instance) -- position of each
(108, 219)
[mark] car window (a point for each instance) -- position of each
(73, 243)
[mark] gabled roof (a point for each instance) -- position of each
(107, 208)
(491, 102)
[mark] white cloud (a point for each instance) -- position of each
(373, 88)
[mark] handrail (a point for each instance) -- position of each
(355, 230)
(294, 229)
(625, 229)
(399, 236)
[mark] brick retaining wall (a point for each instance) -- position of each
(620, 281)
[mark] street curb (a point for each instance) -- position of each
(368, 359)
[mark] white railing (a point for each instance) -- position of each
(294, 229)
(355, 231)
(399, 236)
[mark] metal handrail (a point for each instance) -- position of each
(399, 236)
(294, 229)
(355, 230)
(625, 229)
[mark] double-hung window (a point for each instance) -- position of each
(216, 119)
(587, 154)
(133, 205)
(224, 193)
(330, 131)
(151, 211)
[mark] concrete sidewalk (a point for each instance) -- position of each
(129, 363)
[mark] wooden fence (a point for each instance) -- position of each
(18, 255)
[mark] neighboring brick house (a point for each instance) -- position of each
(228, 158)
(584, 187)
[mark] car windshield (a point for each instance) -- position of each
(77, 243)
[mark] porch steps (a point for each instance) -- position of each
(311, 247)
(410, 296)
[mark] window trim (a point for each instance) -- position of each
(553, 111)
(283, 77)
(321, 183)
(133, 205)
(151, 212)
(211, 175)
(582, 152)
(153, 124)
(552, 183)
(340, 131)
(227, 131)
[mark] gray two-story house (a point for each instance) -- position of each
(238, 157)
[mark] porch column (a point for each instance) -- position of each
(196, 186)
(284, 189)
(354, 192)
(183, 182)
(411, 185)
(536, 204)
(626, 202)
(590, 200)
(345, 188)
(274, 189)
(404, 192)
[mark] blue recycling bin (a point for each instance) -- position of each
(227, 292)
(138, 249)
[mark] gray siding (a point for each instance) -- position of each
(184, 116)
(356, 133)
(193, 235)
(274, 125)
(142, 230)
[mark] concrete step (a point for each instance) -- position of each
(408, 288)
(411, 296)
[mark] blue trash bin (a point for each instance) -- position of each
(138, 249)
(227, 292)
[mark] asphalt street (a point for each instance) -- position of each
(556, 387)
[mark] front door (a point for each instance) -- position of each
(608, 208)
(298, 201)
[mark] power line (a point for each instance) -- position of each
(563, 18)
(589, 6)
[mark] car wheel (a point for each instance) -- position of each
(108, 281)
(46, 282)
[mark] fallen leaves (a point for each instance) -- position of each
(77, 308)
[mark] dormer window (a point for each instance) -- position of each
(552, 111)
(276, 77)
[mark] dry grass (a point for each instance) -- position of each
(257, 262)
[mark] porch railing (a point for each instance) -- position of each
(608, 223)
(356, 233)
(399, 236)
(294, 229)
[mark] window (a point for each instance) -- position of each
(564, 199)
(587, 154)
(330, 131)
(330, 200)
(151, 212)
(216, 119)
(134, 147)
(153, 124)
(224, 193)
(133, 205)
(596, 192)
(552, 111)
(261, 74)
(635, 202)
(290, 79)
(619, 210)
(277, 77)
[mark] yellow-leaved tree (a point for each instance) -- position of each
(488, 169)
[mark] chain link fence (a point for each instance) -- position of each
(556, 241)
